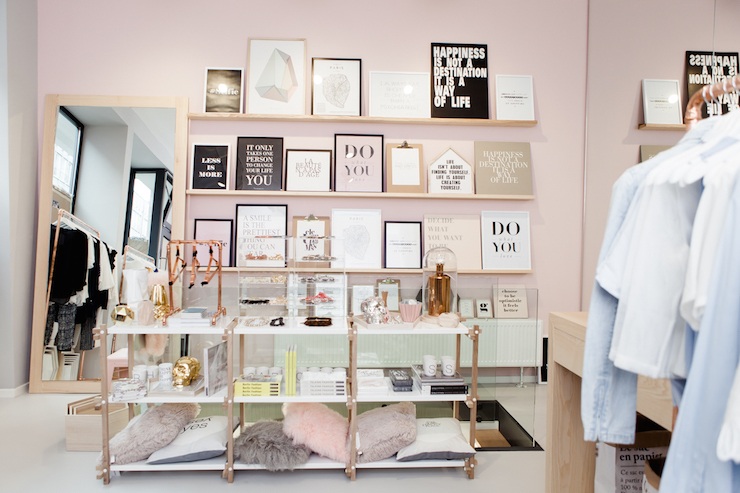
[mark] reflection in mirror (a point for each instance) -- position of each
(110, 166)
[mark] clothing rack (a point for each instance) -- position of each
(707, 94)
(65, 217)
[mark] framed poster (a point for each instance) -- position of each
(393, 289)
(308, 170)
(403, 249)
(710, 67)
(458, 232)
(450, 174)
(210, 166)
(224, 90)
(661, 101)
(399, 94)
(336, 86)
(467, 308)
(276, 77)
(459, 81)
(261, 235)
(358, 163)
(259, 163)
(309, 233)
(510, 302)
(214, 229)
(360, 293)
(505, 240)
(514, 97)
(503, 168)
(360, 232)
(404, 168)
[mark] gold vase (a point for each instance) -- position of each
(159, 298)
(440, 294)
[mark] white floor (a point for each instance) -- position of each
(33, 459)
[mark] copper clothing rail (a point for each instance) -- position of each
(705, 95)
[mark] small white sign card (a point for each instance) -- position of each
(458, 232)
(450, 174)
(661, 101)
(514, 97)
(510, 301)
(360, 230)
(400, 94)
(505, 240)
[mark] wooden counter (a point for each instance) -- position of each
(569, 465)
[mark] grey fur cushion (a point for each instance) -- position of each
(383, 431)
(151, 431)
(265, 443)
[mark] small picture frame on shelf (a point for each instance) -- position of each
(393, 288)
(514, 97)
(360, 231)
(661, 102)
(450, 174)
(224, 90)
(260, 235)
(214, 229)
(308, 170)
(404, 168)
(403, 247)
(210, 169)
(360, 292)
(259, 163)
(483, 308)
(276, 77)
(336, 86)
(400, 94)
(308, 236)
(467, 308)
(358, 163)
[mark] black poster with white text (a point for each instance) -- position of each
(459, 80)
(209, 166)
(259, 163)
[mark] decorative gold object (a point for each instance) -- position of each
(440, 295)
(185, 370)
(159, 298)
(122, 314)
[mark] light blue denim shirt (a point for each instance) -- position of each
(692, 465)
(608, 394)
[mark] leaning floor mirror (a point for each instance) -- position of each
(112, 179)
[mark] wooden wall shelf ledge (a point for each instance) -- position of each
(372, 195)
(473, 122)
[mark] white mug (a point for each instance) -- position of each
(140, 373)
(429, 365)
(248, 371)
(263, 371)
(448, 366)
(165, 374)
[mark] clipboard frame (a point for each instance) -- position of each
(390, 185)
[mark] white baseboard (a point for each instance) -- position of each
(13, 393)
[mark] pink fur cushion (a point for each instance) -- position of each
(318, 427)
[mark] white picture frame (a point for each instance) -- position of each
(514, 97)
(261, 230)
(450, 174)
(466, 306)
(483, 308)
(505, 241)
(400, 94)
(360, 232)
(269, 90)
(661, 102)
(308, 170)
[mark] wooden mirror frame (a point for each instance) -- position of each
(52, 104)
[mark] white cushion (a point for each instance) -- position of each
(201, 438)
(437, 438)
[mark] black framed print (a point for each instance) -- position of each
(210, 166)
(336, 87)
(260, 239)
(358, 163)
(307, 170)
(259, 163)
(403, 249)
(214, 229)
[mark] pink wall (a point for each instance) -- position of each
(161, 48)
(630, 41)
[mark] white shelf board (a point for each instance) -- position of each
(290, 398)
(314, 462)
(392, 463)
(214, 464)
